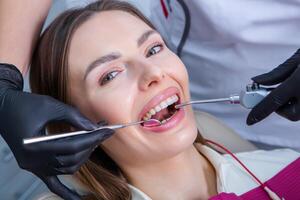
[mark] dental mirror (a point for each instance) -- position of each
(151, 123)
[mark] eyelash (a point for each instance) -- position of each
(154, 46)
(104, 79)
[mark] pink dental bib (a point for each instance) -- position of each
(285, 185)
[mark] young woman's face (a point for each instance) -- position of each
(120, 70)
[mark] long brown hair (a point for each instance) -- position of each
(49, 76)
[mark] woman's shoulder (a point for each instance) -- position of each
(264, 164)
(270, 157)
(232, 177)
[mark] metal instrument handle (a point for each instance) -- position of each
(63, 135)
(202, 101)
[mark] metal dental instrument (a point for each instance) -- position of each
(149, 123)
(248, 99)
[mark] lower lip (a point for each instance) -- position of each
(175, 120)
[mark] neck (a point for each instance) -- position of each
(188, 175)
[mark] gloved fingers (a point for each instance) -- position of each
(72, 159)
(73, 168)
(105, 134)
(280, 73)
(290, 110)
(72, 144)
(66, 113)
(277, 98)
(55, 186)
(102, 123)
(277, 75)
(76, 119)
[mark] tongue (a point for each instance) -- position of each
(161, 114)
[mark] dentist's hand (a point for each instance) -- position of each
(24, 115)
(284, 100)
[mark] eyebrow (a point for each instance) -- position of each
(103, 59)
(115, 55)
(144, 37)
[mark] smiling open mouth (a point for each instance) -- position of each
(164, 111)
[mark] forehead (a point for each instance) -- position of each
(108, 28)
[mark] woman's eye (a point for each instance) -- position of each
(154, 50)
(108, 77)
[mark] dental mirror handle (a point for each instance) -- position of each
(63, 135)
(69, 134)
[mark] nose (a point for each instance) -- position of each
(151, 75)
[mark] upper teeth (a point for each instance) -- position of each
(162, 105)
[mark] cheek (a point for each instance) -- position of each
(181, 72)
(110, 103)
(177, 70)
(113, 107)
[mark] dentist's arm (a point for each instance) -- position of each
(285, 99)
(24, 115)
(20, 25)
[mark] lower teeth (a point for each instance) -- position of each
(165, 120)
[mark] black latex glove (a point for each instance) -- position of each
(25, 115)
(284, 100)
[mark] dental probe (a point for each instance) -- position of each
(233, 99)
(147, 123)
(248, 99)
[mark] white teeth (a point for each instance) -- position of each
(148, 115)
(175, 98)
(163, 105)
(169, 100)
(152, 111)
(157, 109)
(160, 106)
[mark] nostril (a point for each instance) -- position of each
(152, 83)
(152, 75)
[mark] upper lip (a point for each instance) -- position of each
(163, 95)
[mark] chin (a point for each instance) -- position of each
(177, 143)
